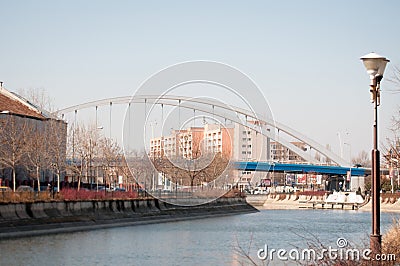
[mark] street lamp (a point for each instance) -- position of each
(348, 178)
(375, 65)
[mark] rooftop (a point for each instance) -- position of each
(14, 104)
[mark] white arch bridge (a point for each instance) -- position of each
(224, 111)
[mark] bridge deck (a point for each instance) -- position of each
(299, 168)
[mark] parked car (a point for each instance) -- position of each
(102, 188)
(42, 188)
(24, 189)
(259, 190)
(5, 189)
(110, 189)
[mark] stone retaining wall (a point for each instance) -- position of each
(276, 201)
(27, 219)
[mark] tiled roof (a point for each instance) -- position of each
(15, 105)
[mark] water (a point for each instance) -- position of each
(197, 242)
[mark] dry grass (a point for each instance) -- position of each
(20, 197)
(391, 241)
(67, 194)
(83, 194)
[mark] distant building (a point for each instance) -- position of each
(249, 145)
(192, 142)
(169, 144)
(218, 139)
(237, 142)
(157, 147)
(189, 142)
(22, 124)
(284, 155)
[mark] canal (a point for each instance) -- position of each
(211, 241)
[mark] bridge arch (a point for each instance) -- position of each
(208, 106)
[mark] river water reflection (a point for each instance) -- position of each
(197, 242)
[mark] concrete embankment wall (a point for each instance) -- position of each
(277, 201)
(28, 219)
(282, 201)
(388, 204)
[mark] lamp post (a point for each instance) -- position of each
(348, 178)
(375, 65)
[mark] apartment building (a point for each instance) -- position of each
(238, 142)
(194, 141)
(190, 142)
(218, 139)
(280, 153)
(249, 145)
(157, 147)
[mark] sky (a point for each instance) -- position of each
(303, 55)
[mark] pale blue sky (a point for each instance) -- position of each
(304, 55)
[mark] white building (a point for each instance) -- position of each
(280, 153)
(157, 147)
(218, 139)
(249, 145)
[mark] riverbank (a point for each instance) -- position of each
(295, 202)
(43, 218)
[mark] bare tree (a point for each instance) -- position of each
(362, 159)
(140, 168)
(395, 79)
(125, 171)
(56, 132)
(45, 135)
(89, 151)
(111, 157)
(80, 150)
(216, 168)
(187, 172)
(83, 150)
(396, 123)
(193, 160)
(38, 97)
(38, 152)
(391, 149)
(72, 167)
(14, 142)
(326, 159)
